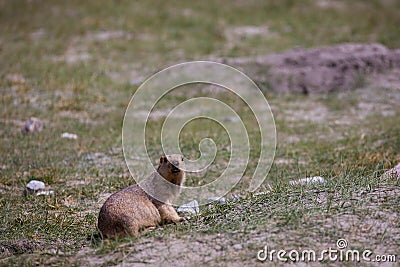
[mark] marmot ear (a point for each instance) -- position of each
(163, 159)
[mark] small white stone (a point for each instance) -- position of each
(191, 207)
(220, 200)
(55, 252)
(45, 192)
(308, 181)
(236, 198)
(35, 185)
(69, 136)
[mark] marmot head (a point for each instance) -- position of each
(171, 167)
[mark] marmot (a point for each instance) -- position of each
(145, 205)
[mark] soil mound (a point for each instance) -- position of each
(318, 70)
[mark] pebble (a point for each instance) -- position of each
(220, 200)
(33, 125)
(38, 188)
(69, 136)
(190, 207)
(54, 251)
(308, 181)
(235, 198)
(45, 192)
(35, 185)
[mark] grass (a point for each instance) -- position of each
(57, 65)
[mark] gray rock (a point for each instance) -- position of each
(32, 125)
(35, 186)
(191, 207)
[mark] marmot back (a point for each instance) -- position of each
(133, 208)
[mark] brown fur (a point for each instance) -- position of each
(132, 209)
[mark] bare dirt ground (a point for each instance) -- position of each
(241, 246)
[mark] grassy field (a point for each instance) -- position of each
(76, 64)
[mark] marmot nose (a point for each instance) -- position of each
(175, 168)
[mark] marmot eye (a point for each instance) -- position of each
(182, 158)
